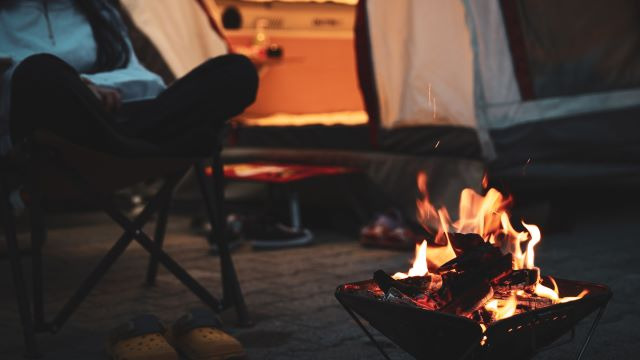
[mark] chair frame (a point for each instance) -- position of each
(31, 311)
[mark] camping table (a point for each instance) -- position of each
(283, 174)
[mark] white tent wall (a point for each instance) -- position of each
(500, 100)
(180, 30)
(422, 61)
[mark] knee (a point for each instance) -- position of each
(38, 69)
(243, 75)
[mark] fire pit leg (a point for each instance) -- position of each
(373, 340)
(596, 321)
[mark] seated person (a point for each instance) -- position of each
(68, 67)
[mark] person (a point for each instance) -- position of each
(68, 67)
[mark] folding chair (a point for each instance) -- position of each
(52, 169)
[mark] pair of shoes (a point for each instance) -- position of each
(195, 336)
(266, 233)
(388, 230)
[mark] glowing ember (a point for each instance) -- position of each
(487, 216)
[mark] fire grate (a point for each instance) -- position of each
(427, 334)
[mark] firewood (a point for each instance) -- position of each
(462, 243)
(524, 279)
(531, 302)
(393, 295)
(473, 299)
(472, 259)
(411, 286)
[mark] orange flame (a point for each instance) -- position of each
(419, 267)
(486, 215)
(504, 310)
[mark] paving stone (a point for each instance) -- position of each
(290, 292)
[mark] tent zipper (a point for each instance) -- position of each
(45, 6)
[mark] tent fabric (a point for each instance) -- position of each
(508, 68)
(562, 63)
(417, 85)
(499, 98)
(180, 30)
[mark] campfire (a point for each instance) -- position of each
(473, 283)
(482, 268)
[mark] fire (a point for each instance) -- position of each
(502, 309)
(486, 215)
(419, 267)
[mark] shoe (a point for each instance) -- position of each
(272, 235)
(141, 338)
(197, 336)
(388, 230)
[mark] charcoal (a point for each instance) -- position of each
(393, 295)
(472, 259)
(532, 302)
(525, 279)
(458, 283)
(412, 286)
(472, 300)
(424, 284)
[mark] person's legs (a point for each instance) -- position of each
(47, 93)
(212, 93)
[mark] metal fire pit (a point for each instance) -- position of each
(435, 335)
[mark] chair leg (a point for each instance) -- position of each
(22, 297)
(161, 227)
(230, 283)
(206, 197)
(38, 238)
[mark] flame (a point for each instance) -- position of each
(505, 310)
(419, 267)
(486, 215)
(554, 294)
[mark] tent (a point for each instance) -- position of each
(536, 90)
(550, 86)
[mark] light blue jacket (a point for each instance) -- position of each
(30, 27)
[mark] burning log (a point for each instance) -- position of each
(462, 243)
(528, 302)
(395, 296)
(469, 302)
(411, 286)
(524, 279)
(472, 259)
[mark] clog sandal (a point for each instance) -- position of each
(141, 338)
(197, 336)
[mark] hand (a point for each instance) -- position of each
(110, 98)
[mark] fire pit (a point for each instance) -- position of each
(473, 291)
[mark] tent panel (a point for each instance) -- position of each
(607, 137)
(179, 29)
(494, 64)
(562, 63)
(422, 62)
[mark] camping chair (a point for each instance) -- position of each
(52, 169)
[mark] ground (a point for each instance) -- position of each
(290, 292)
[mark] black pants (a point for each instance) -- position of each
(47, 93)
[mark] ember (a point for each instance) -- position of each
(478, 267)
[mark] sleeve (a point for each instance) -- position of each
(134, 82)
